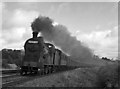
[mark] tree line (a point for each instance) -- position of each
(10, 56)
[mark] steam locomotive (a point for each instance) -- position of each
(42, 56)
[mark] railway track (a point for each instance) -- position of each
(14, 79)
(9, 71)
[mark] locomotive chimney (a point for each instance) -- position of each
(35, 34)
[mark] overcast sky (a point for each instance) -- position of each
(94, 23)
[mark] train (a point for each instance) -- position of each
(43, 57)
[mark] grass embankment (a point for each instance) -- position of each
(5, 66)
(108, 76)
(105, 76)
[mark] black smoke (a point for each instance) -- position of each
(62, 38)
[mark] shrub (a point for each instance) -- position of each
(108, 76)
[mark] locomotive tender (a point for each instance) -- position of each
(41, 56)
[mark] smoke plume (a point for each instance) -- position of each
(62, 38)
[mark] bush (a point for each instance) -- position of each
(108, 76)
(105, 76)
(79, 78)
(5, 65)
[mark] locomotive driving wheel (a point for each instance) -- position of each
(23, 72)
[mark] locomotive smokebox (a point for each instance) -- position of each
(35, 34)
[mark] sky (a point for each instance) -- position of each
(93, 23)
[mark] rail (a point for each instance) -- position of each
(7, 71)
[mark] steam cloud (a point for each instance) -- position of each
(62, 38)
